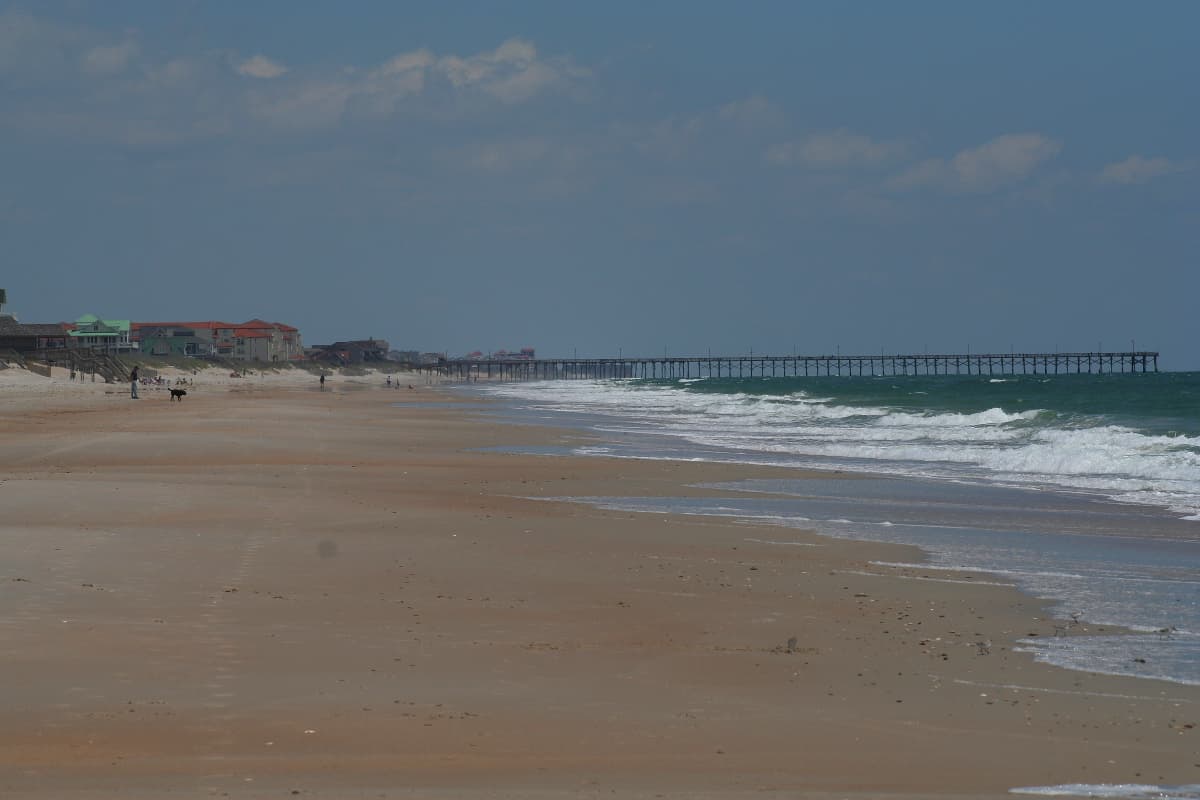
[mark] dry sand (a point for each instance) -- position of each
(273, 591)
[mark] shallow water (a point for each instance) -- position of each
(1114, 791)
(1099, 562)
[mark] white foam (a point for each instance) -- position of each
(788, 544)
(1167, 658)
(1117, 791)
(1016, 687)
(1029, 448)
(925, 578)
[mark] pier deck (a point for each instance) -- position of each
(755, 366)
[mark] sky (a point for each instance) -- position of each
(621, 177)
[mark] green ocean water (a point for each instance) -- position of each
(1134, 437)
(1165, 403)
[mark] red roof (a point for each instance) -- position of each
(210, 324)
(254, 329)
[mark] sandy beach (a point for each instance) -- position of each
(268, 590)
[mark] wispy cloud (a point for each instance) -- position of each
(261, 67)
(511, 74)
(1002, 161)
(1136, 169)
(98, 84)
(34, 51)
(109, 59)
(831, 150)
(719, 129)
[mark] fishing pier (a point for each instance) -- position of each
(794, 366)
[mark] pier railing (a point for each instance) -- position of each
(755, 366)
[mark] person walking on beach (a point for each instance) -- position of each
(322, 380)
(133, 382)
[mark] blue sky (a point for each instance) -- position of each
(650, 177)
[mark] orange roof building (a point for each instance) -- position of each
(255, 340)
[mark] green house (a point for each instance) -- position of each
(112, 335)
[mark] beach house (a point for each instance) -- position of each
(30, 337)
(258, 340)
(109, 335)
(358, 351)
(186, 339)
(255, 340)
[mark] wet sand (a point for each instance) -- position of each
(270, 591)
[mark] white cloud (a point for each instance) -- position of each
(386, 87)
(1002, 161)
(109, 59)
(521, 85)
(513, 55)
(925, 173)
(216, 93)
(1136, 169)
(261, 67)
(832, 150)
(404, 64)
(511, 74)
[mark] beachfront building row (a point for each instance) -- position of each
(255, 340)
(88, 332)
(23, 337)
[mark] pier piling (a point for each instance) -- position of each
(794, 366)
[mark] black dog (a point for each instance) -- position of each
(177, 394)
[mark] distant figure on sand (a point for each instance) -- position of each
(322, 380)
(389, 381)
(133, 382)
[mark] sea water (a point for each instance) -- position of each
(1083, 490)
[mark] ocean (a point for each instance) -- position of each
(1083, 490)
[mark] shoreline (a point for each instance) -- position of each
(1116, 565)
(251, 565)
(1033, 434)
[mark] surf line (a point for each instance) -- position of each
(1017, 688)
